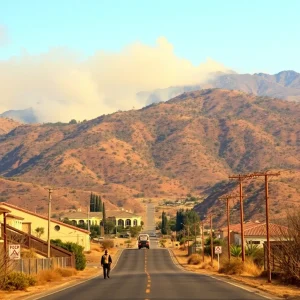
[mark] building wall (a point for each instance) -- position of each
(57, 231)
(14, 223)
(136, 221)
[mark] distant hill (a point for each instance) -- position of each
(23, 116)
(6, 125)
(187, 145)
(284, 85)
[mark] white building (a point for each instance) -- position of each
(254, 233)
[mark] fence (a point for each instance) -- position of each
(34, 265)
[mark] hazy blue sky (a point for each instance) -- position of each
(247, 36)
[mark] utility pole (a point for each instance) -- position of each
(188, 226)
(227, 198)
(240, 179)
(49, 222)
(265, 175)
(195, 232)
(211, 242)
(202, 234)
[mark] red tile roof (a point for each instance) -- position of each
(257, 229)
(260, 230)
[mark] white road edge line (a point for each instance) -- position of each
(75, 284)
(243, 287)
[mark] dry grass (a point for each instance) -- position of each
(48, 276)
(206, 264)
(194, 259)
(66, 272)
(249, 276)
(30, 253)
(54, 275)
(236, 267)
(251, 269)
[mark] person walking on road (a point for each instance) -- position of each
(105, 264)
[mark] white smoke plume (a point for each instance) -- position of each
(3, 36)
(60, 87)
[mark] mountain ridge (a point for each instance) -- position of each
(187, 145)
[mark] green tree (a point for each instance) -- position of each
(134, 231)
(80, 259)
(39, 231)
(164, 223)
(104, 218)
(109, 227)
(92, 203)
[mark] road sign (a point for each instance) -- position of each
(218, 249)
(14, 251)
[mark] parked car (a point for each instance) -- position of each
(98, 239)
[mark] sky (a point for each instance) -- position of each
(62, 56)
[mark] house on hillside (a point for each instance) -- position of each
(254, 233)
(118, 217)
(26, 221)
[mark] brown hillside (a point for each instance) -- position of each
(164, 151)
(6, 125)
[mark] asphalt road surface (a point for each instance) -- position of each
(150, 219)
(151, 274)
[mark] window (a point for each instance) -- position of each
(57, 227)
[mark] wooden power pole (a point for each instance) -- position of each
(240, 178)
(227, 198)
(49, 221)
(265, 175)
(211, 242)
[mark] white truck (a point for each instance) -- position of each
(144, 241)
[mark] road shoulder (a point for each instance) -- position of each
(275, 290)
(38, 291)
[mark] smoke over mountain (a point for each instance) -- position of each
(59, 85)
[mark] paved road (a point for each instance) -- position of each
(151, 274)
(150, 218)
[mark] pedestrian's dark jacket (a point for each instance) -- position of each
(106, 261)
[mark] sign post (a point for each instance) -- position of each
(218, 250)
(14, 251)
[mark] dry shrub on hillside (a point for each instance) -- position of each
(287, 250)
(236, 267)
(48, 276)
(17, 281)
(231, 267)
(194, 259)
(66, 272)
(54, 275)
(30, 253)
(251, 268)
(106, 244)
